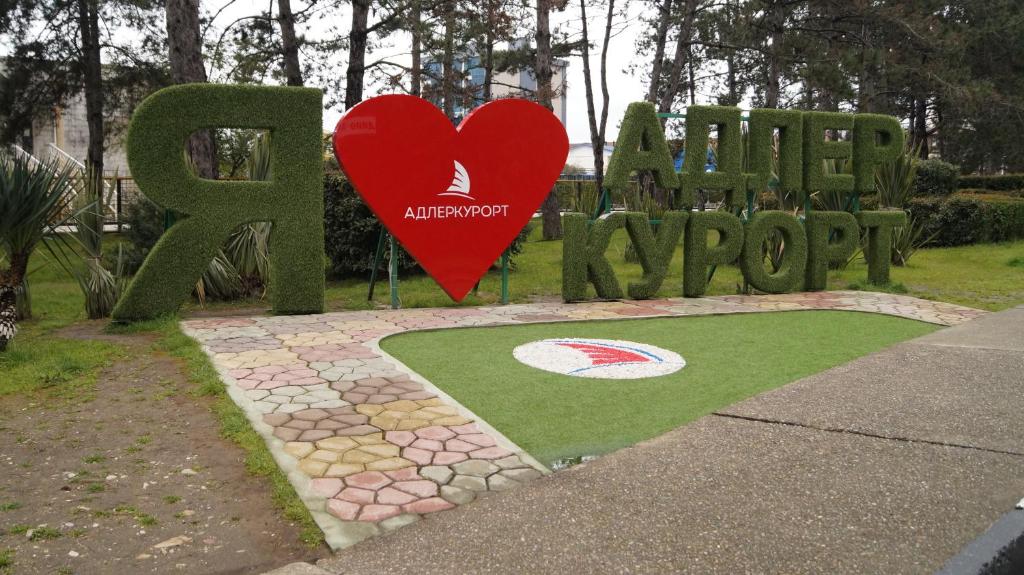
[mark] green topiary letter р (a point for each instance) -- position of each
(641, 147)
(292, 199)
(879, 226)
(697, 255)
(832, 237)
(876, 138)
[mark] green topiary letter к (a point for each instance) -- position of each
(292, 199)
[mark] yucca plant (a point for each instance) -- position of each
(33, 196)
(894, 180)
(248, 247)
(99, 286)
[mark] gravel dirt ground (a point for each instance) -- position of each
(132, 476)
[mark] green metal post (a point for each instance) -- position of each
(504, 277)
(377, 256)
(395, 304)
(750, 205)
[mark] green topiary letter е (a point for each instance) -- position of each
(292, 199)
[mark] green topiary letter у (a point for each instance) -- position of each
(292, 199)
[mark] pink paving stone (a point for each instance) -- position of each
(315, 435)
(465, 428)
(271, 384)
(287, 376)
(247, 383)
(368, 480)
(428, 505)
(380, 512)
(448, 457)
(428, 444)
(271, 369)
(459, 445)
(308, 381)
(404, 474)
(435, 432)
(356, 495)
(326, 486)
(481, 439)
(490, 453)
(239, 373)
(400, 438)
(389, 496)
(421, 488)
(418, 456)
(344, 510)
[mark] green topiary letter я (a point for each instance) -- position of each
(292, 199)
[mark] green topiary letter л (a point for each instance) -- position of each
(292, 200)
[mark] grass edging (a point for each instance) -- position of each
(234, 425)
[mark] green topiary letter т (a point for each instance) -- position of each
(292, 199)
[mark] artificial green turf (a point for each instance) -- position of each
(728, 357)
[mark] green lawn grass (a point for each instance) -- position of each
(729, 358)
(38, 358)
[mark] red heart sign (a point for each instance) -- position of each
(454, 198)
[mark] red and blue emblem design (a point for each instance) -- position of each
(599, 358)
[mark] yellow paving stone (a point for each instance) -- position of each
(385, 422)
(433, 401)
(298, 449)
(369, 438)
(343, 469)
(369, 409)
(381, 449)
(337, 443)
(440, 410)
(313, 468)
(451, 420)
(411, 423)
(402, 405)
(389, 464)
(324, 455)
(358, 456)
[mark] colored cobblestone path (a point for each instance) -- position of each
(370, 447)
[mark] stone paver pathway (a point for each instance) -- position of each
(371, 446)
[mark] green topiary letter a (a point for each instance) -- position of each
(292, 199)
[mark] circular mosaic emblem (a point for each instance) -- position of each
(599, 358)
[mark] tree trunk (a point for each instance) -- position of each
(10, 279)
(603, 124)
(680, 59)
(921, 125)
(356, 53)
(660, 37)
(773, 87)
(289, 44)
(416, 74)
(88, 21)
(186, 59)
(488, 62)
(552, 220)
(448, 62)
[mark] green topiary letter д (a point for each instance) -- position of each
(292, 200)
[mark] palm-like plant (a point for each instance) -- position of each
(34, 196)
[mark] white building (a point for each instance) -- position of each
(581, 155)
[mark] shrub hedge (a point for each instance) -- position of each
(1002, 183)
(935, 178)
(964, 219)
